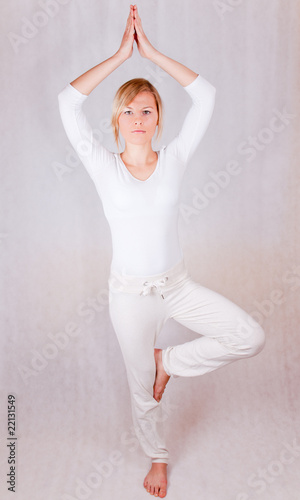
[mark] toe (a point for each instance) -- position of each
(162, 491)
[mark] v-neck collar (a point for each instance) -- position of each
(135, 178)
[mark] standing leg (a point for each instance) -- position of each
(137, 322)
(228, 333)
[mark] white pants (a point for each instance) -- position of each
(139, 306)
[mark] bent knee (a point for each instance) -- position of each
(257, 340)
(248, 340)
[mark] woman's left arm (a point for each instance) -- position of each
(181, 73)
(200, 90)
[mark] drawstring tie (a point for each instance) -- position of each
(148, 285)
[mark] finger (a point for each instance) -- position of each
(138, 20)
(129, 19)
(130, 12)
(131, 24)
(137, 29)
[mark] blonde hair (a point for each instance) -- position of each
(125, 94)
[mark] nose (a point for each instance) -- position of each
(138, 120)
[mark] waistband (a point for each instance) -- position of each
(144, 284)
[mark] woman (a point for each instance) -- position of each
(149, 283)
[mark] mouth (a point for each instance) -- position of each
(138, 132)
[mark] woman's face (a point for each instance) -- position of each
(138, 121)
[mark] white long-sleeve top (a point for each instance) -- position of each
(142, 215)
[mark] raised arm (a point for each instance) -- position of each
(92, 154)
(91, 79)
(200, 90)
(181, 73)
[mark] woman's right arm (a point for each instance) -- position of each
(89, 80)
(73, 95)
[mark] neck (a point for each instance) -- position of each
(138, 155)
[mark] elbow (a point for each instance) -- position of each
(213, 96)
(213, 92)
(211, 99)
(65, 92)
(60, 95)
(60, 98)
(62, 103)
(210, 95)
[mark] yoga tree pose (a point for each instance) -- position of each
(149, 282)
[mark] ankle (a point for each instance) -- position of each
(161, 465)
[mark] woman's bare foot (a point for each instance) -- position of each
(156, 480)
(161, 378)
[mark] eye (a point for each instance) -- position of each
(147, 112)
(127, 112)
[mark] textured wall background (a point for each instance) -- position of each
(233, 434)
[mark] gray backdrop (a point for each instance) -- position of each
(234, 433)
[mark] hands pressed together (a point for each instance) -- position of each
(89, 80)
(134, 32)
